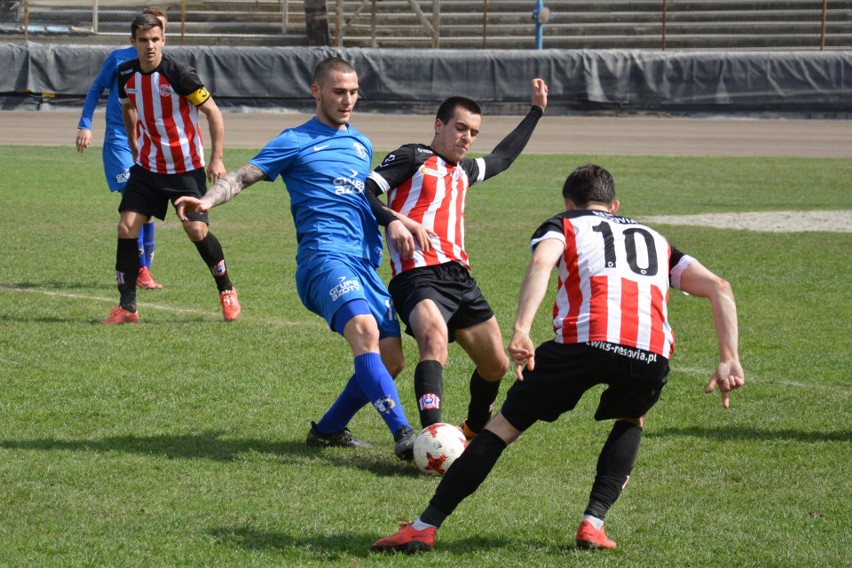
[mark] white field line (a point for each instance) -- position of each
(97, 298)
(167, 308)
(706, 373)
(764, 221)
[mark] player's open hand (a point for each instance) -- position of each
(522, 352)
(190, 204)
(84, 139)
(728, 376)
(539, 93)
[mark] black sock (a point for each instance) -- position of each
(126, 268)
(464, 477)
(614, 466)
(482, 396)
(211, 251)
(429, 390)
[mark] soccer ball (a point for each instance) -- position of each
(437, 447)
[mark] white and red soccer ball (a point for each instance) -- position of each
(437, 447)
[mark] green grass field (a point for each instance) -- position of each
(180, 441)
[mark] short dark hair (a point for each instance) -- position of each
(156, 12)
(325, 67)
(448, 108)
(589, 183)
(145, 22)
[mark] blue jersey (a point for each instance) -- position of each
(107, 80)
(324, 170)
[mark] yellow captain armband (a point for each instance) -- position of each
(199, 97)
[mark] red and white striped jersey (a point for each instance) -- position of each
(613, 281)
(170, 140)
(430, 190)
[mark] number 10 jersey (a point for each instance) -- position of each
(613, 281)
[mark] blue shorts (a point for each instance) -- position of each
(329, 281)
(117, 161)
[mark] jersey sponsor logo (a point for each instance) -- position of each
(348, 184)
(165, 90)
(323, 147)
(430, 172)
(429, 401)
(126, 72)
(425, 150)
(635, 354)
(343, 287)
(360, 150)
(385, 405)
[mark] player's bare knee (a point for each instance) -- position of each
(433, 347)
(362, 330)
(125, 231)
(195, 231)
(493, 370)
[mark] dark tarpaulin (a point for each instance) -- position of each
(401, 80)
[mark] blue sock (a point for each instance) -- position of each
(147, 243)
(350, 401)
(140, 246)
(379, 388)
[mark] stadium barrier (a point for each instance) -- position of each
(810, 83)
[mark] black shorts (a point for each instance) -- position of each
(450, 286)
(564, 372)
(149, 193)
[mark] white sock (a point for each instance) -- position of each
(419, 525)
(596, 522)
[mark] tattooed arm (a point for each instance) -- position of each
(222, 190)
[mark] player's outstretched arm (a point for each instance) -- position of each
(533, 288)
(502, 156)
(699, 281)
(222, 190)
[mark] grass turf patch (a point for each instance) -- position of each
(180, 441)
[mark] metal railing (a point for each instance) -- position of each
(664, 24)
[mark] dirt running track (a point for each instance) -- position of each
(554, 134)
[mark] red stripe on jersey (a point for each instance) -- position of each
(190, 128)
(147, 112)
(629, 312)
(170, 152)
(571, 285)
(598, 313)
(193, 133)
(658, 336)
(448, 218)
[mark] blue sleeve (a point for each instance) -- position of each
(277, 155)
(103, 82)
